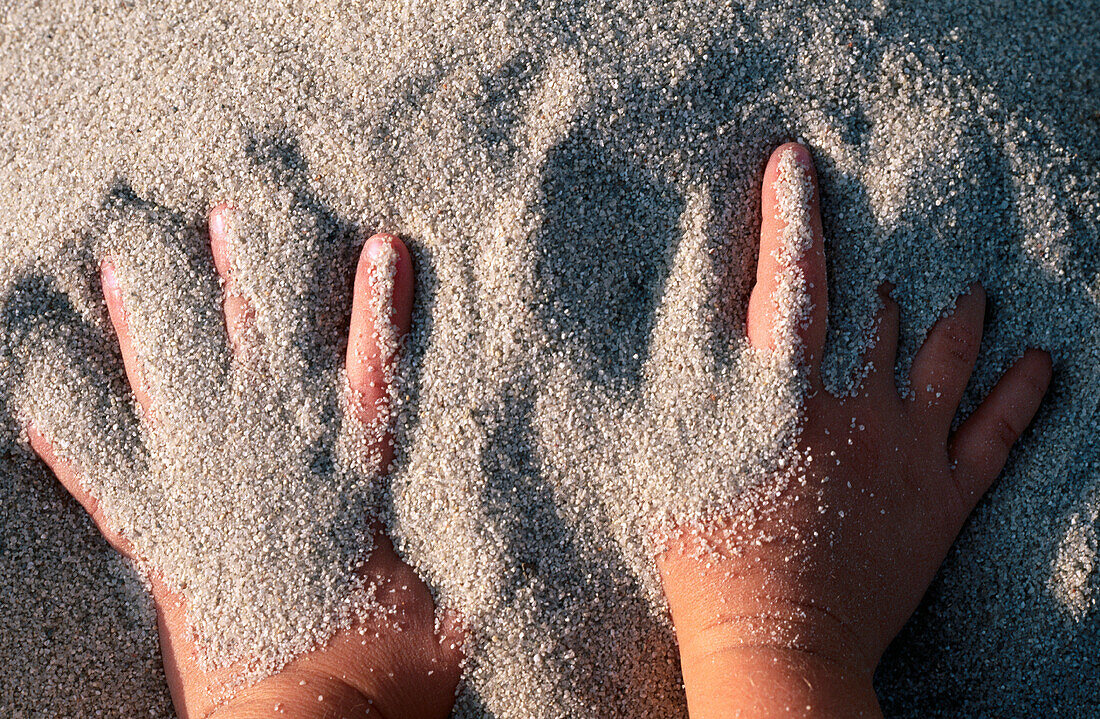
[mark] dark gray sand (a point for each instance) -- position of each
(578, 183)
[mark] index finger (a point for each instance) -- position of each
(380, 317)
(790, 299)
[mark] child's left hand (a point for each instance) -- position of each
(368, 670)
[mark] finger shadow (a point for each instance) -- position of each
(565, 590)
(603, 252)
(49, 541)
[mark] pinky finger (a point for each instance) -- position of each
(112, 294)
(179, 656)
(981, 445)
(70, 479)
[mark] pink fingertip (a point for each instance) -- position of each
(378, 244)
(219, 218)
(108, 276)
(802, 153)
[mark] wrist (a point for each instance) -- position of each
(300, 696)
(758, 682)
(751, 645)
(765, 657)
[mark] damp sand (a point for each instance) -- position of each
(579, 187)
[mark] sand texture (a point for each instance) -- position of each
(578, 183)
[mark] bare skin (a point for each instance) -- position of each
(369, 670)
(788, 613)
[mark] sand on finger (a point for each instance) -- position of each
(578, 183)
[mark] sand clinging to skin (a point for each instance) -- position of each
(578, 183)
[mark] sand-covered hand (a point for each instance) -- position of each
(399, 658)
(785, 609)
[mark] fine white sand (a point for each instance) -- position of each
(579, 185)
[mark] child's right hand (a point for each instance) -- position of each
(793, 611)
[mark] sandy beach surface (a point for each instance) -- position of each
(578, 183)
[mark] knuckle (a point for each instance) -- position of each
(1005, 433)
(960, 343)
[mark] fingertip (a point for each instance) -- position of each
(219, 224)
(802, 156)
(970, 305)
(1042, 358)
(379, 250)
(801, 153)
(112, 295)
(218, 218)
(108, 277)
(982, 443)
(970, 310)
(886, 296)
(1041, 365)
(378, 244)
(976, 291)
(38, 442)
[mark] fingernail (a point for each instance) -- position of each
(219, 219)
(108, 277)
(379, 247)
(217, 223)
